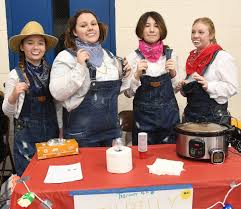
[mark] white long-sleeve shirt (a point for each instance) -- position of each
(154, 69)
(15, 109)
(222, 77)
(70, 81)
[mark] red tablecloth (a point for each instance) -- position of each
(210, 182)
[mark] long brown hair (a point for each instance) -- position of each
(69, 35)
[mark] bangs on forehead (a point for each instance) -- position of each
(32, 37)
(150, 18)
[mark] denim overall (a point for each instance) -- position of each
(95, 121)
(37, 122)
(200, 107)
(155, 109)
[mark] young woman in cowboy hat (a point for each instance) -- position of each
(27, 95)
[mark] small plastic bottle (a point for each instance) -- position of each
(142, 145)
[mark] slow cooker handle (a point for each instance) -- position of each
(235, 142)
(229, 131)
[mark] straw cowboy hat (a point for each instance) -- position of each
(31, 28)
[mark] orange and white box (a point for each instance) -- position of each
(50, 150)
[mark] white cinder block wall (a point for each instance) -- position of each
(179, 16)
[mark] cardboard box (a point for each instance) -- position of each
(50, 150)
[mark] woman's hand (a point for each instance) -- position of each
(127, 68)
(200, 79)
(170, 67)
(82, 56)
(141, 69)
(180, 85)
(19, 88)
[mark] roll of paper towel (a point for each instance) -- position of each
(119, 161)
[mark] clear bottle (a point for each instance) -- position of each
(142, 145)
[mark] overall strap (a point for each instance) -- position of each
(20, 74)
(72, 52)
(206, 68)
(121, 71)
(92, 69)
(165, 47)
(139, 53)
(109, 54)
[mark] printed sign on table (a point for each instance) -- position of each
(157, 197)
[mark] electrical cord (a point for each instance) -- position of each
(233, 186)
(36, 196)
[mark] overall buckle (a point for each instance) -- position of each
(41, 98)
(155, 84)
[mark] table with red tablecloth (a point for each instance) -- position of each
(210, 182)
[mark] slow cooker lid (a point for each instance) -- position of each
(201, 128)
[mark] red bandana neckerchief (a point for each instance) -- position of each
(151, 52)
(196, 62)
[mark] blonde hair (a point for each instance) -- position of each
(211, 28)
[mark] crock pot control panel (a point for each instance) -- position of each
(196, 148)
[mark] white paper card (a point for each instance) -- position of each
(63, 173)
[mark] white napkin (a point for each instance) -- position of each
(166, 167)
